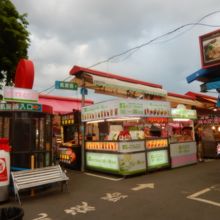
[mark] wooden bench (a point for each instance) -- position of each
(37, 177)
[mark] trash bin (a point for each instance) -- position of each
(11, 213)
(4, 169)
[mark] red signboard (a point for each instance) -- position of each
(210, 49)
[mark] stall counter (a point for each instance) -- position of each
(183, 153)
(118, 157)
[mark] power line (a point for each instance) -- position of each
(132, 50)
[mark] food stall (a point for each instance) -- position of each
(69, 151)
(209, 126)
(28, 126)
(126, 136)
(183, 149)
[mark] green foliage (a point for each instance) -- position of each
(14, 40)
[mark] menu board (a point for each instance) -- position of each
(124, 108)
(132, 163)
(157, 109)
(102, 161)
(107, 146)
(156, 143)
(157, 159)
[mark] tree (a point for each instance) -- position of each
(14, 40)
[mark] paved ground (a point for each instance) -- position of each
(191, 192)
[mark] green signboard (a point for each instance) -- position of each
(102, 161)
(66, 85)
(183, 113)
(21, 107)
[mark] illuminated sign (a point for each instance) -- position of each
(157, 159)
(20, 95)
(102, 161)
(132, 163)
(124, 108)
(67, 119)
(183, 113)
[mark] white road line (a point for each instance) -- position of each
(206, 201)
(104, 177)
(199, 193)
(195, 197)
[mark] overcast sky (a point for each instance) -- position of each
(65, 33)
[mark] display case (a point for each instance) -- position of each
(127, 136)
(183, 149)
(69, 151)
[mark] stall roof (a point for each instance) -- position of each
(77, 70)
(62, 105)
(115, 85)
(181, 96)
(202, 97)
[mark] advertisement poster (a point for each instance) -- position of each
(157, 159)
(102, 161)
(210, 49)
(132, 163)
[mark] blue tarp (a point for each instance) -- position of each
(212, 85)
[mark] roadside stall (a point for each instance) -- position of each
(69, 150)
(28, 126)
(126, 136)
(25, 122)
(183, 149)
(208, 124)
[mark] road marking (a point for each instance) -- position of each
(195, 197)
(83, 209)
(42, 216)
(114, 197)
(143, 186)
(104, 177)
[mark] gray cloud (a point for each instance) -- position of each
(71, 32)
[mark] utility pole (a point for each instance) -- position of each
(83, 92)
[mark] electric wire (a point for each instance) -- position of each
(132, 50)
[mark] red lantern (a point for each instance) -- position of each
(24, 77)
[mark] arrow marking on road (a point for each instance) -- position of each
(143, 186)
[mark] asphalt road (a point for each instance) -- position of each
(191, 192)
